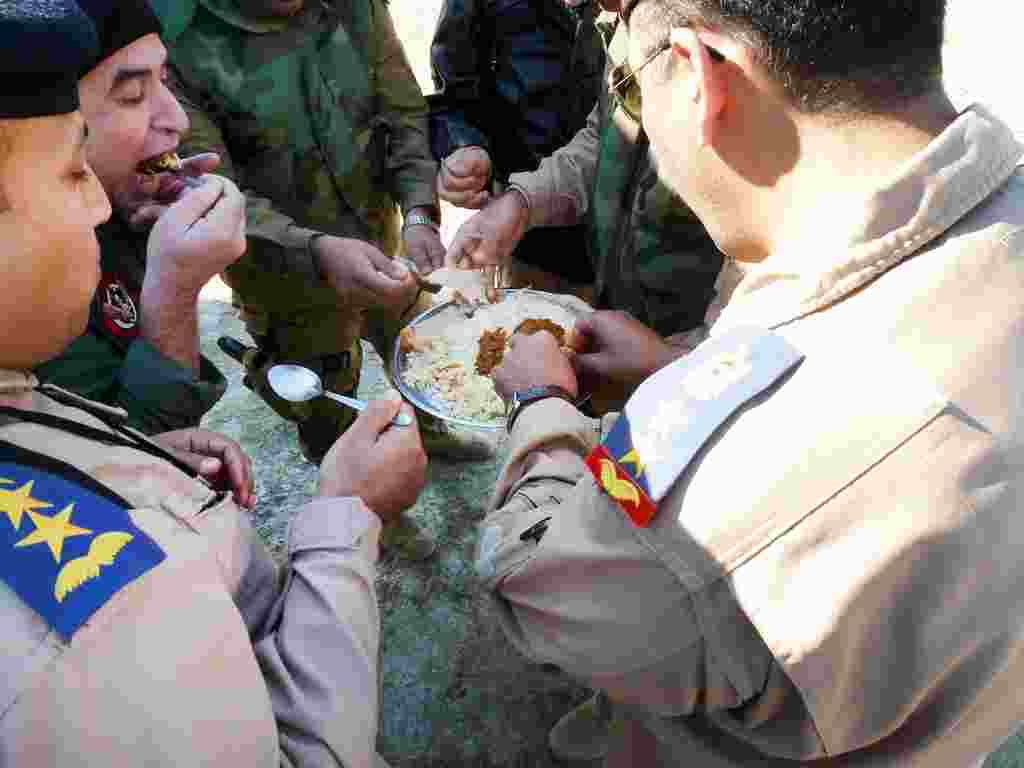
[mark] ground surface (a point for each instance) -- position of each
(454, 693)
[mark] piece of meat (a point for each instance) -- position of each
(409, 341)
(533, 325)
(492, 350)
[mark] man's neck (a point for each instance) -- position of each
(842, 164)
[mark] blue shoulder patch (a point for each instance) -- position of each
(66, 548)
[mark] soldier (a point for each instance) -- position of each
(819, 505)
(143, 621)
(651, 256)
(314, 109)
(515, 81)
(141, 348)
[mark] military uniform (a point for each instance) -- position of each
(319, 120)
(110, 363)
(144, 623)
(651, 256)
(518, 78)
(820, 505)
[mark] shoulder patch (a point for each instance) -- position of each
(66, 548)
(118, 308)
(673, 414)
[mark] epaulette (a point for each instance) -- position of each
(68, 542)
(672, 415)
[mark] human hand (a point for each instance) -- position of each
(533, 360)
(383, 465)
(159, 191)
(423, 245)
(362, 275)
(463, 177)
(488, 237)
(218, 459)
(195, 239)
(615, 352)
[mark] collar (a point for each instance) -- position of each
(230, 12)
(18, 385)
(932, 191)
(14, 383)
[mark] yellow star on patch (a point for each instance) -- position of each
(16, 503)
(53, 530)
(634, 458)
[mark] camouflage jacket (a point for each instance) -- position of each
(113, 364)
(517, 77)
(651, 255)
(317, 117)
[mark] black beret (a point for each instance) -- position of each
(45, 46)
(119, 23)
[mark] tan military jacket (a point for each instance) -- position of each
(213, 658)
(837, 577)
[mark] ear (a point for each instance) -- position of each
(708, 84)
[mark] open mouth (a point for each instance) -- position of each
(166, 162)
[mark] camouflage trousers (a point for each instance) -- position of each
(294, 322)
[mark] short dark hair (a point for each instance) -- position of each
(830, 55)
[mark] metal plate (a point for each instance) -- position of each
(435, 319)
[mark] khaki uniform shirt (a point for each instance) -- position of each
(837, 577)
(215, 657)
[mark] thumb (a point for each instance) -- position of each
(377, 417)
(209, 466)
(464, 162)
(393, 268)
(583, 336)
(458, 251)
(204, 162)
(384, 264)
(593, 364)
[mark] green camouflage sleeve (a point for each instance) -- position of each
(292, 254)
(158, 393)
(411, 167)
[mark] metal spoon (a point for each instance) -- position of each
(298, 384)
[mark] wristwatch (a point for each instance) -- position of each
(523, 398)
(416, 217)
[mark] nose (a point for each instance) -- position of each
(169, 115)
(96, 201)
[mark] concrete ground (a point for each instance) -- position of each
(454, 693)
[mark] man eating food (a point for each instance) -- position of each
(141, 348)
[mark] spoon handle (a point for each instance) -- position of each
(401, 420)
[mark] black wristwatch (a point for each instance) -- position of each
(523, 398)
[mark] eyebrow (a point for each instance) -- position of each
(125, 75)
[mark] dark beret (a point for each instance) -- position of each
(119, 23)
(45, 46)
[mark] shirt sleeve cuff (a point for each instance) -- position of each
(339, 523)
(549, 420)
(546, 208)
(296, 241)
(419, 192)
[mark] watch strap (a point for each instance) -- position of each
(523, 398)
(415, 217)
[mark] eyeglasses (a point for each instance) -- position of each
(627, 85)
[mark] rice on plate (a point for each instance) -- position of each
(436, 361)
